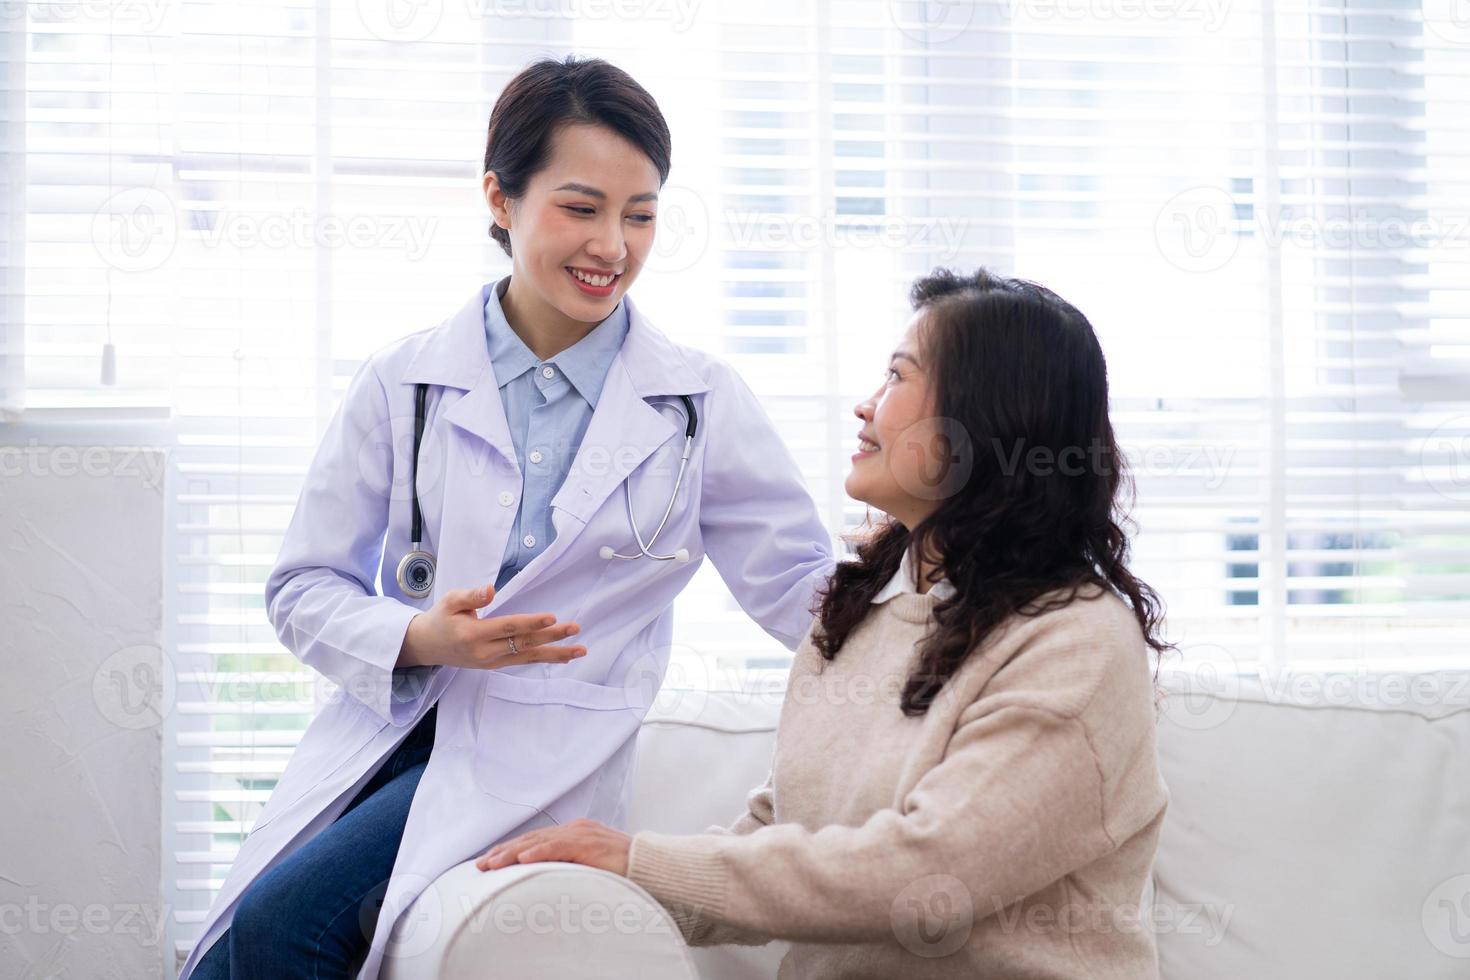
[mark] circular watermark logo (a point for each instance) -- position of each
(1445, 917)
(682, 235)
(135, 687)
(666, 683)
(933, 916)
(1449, 19)
(931, 21)
(931, 459)
(1193, 230)
(1444, 459)
(1203, 696)
(416, 919)
(391, 440)
(136, 230)
(400, 20)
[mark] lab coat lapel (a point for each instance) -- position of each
(624, 431)
(479, 461)
(456, 355)
(478, 453)
(481, 413)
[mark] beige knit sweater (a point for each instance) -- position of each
(1007, 833)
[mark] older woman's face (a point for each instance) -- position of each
(902, 447)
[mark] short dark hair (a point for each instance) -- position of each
(550, 94)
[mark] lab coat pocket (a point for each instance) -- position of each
(537, 736)
(334, 736)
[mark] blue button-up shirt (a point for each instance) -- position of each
(548, 405)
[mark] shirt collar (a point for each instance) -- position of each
(585, 363)
(904, 580)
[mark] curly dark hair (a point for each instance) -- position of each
(549, 94)
(1018, 373)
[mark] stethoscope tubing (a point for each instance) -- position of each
(426, 561)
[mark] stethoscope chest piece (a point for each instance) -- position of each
(416, 574)
(416, 570)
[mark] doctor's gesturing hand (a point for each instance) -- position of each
(450, 633)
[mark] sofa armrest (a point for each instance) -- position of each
(540, 920)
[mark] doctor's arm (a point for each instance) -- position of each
(760, 526)
(320, 595)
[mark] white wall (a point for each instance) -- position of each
(81, 572)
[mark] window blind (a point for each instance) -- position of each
(1262, 207)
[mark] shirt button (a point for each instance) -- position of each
(536, 456)
(507, 498)
(529, 541)
(548, 372)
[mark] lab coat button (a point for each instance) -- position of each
(507, 498)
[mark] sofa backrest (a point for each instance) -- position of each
(1321, 822)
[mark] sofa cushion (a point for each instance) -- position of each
(1318, 825)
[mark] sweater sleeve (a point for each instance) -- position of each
(1015, 804)
(699, 929)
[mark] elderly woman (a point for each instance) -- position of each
(970, 787)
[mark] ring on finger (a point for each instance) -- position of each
(512, 641)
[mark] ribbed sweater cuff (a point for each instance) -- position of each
(686, 870)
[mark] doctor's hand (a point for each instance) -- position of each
(579, 842)
(450, 633)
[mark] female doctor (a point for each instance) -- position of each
(573, 468)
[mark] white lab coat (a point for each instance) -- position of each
(514, 744)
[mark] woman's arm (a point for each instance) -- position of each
(698, 929)
(595, 845)
(1023, 795)
(1012, 808)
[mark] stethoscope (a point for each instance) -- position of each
(416, 569)
(691, 424)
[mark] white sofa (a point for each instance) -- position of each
(1319, 827)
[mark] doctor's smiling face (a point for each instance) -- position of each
(575, 155)
(583, 228)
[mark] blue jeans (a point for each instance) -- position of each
(313, 915)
